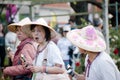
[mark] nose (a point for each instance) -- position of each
(36, 32)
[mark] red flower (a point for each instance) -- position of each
(77, 64)
(116, 51)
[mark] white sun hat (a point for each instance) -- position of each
(43, 23)
(24, 21)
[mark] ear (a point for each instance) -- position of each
(85, 52)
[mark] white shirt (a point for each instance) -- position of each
(53, 57)
(64, 45)
(11, 40)
(102, 68)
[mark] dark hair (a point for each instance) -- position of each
(47, 32)
(32, 27)
(97, 22)
(71, 20)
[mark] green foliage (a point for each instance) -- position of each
(84, 23)
(114, 38)
(118, 64)
(115, 43)
(80, 69)
(3, 19)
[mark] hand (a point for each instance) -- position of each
(35, 68)
(79, 76)
(58, 65)
(11, 55)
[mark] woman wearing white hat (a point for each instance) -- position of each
(26, 48)
(98, 64)
(48, 59)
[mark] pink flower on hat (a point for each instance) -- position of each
(89, 42)
(101, 43)
(91, 34)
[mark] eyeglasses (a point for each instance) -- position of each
(65, 31)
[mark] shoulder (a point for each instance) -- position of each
(52, 44)
(105, 62)
(105, 57)
(30, 44)
(52, 47)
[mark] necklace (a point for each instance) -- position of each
(87, 69)
(39, 51)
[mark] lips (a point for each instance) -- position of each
(36, 38)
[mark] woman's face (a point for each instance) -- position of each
(82, 50)
(38, 34)
(21, 36)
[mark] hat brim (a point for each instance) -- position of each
(12, 27)
(52, 31)
(97, 45)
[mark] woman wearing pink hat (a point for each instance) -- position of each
(98, 64)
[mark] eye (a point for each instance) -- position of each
(16, 30)
(33, 30)
(39, 30)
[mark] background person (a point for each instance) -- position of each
(98, 23)
(11, 41)
(64, 45)
(2, 46)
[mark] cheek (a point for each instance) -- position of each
(41, 35)
(81, 50)
(33, 34)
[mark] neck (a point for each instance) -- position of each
(42, 45)
(92, 56)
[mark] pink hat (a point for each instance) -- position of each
(87, 38)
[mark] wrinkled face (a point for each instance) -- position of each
(21, 36)
(38, 34)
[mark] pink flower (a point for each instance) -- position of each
(89, 42)
(91, 34)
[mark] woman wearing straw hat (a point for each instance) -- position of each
(98, 64)
(26, 48)
(48, 58)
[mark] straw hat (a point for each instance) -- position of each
(12, 27)
(87, 38)
(43, 23)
